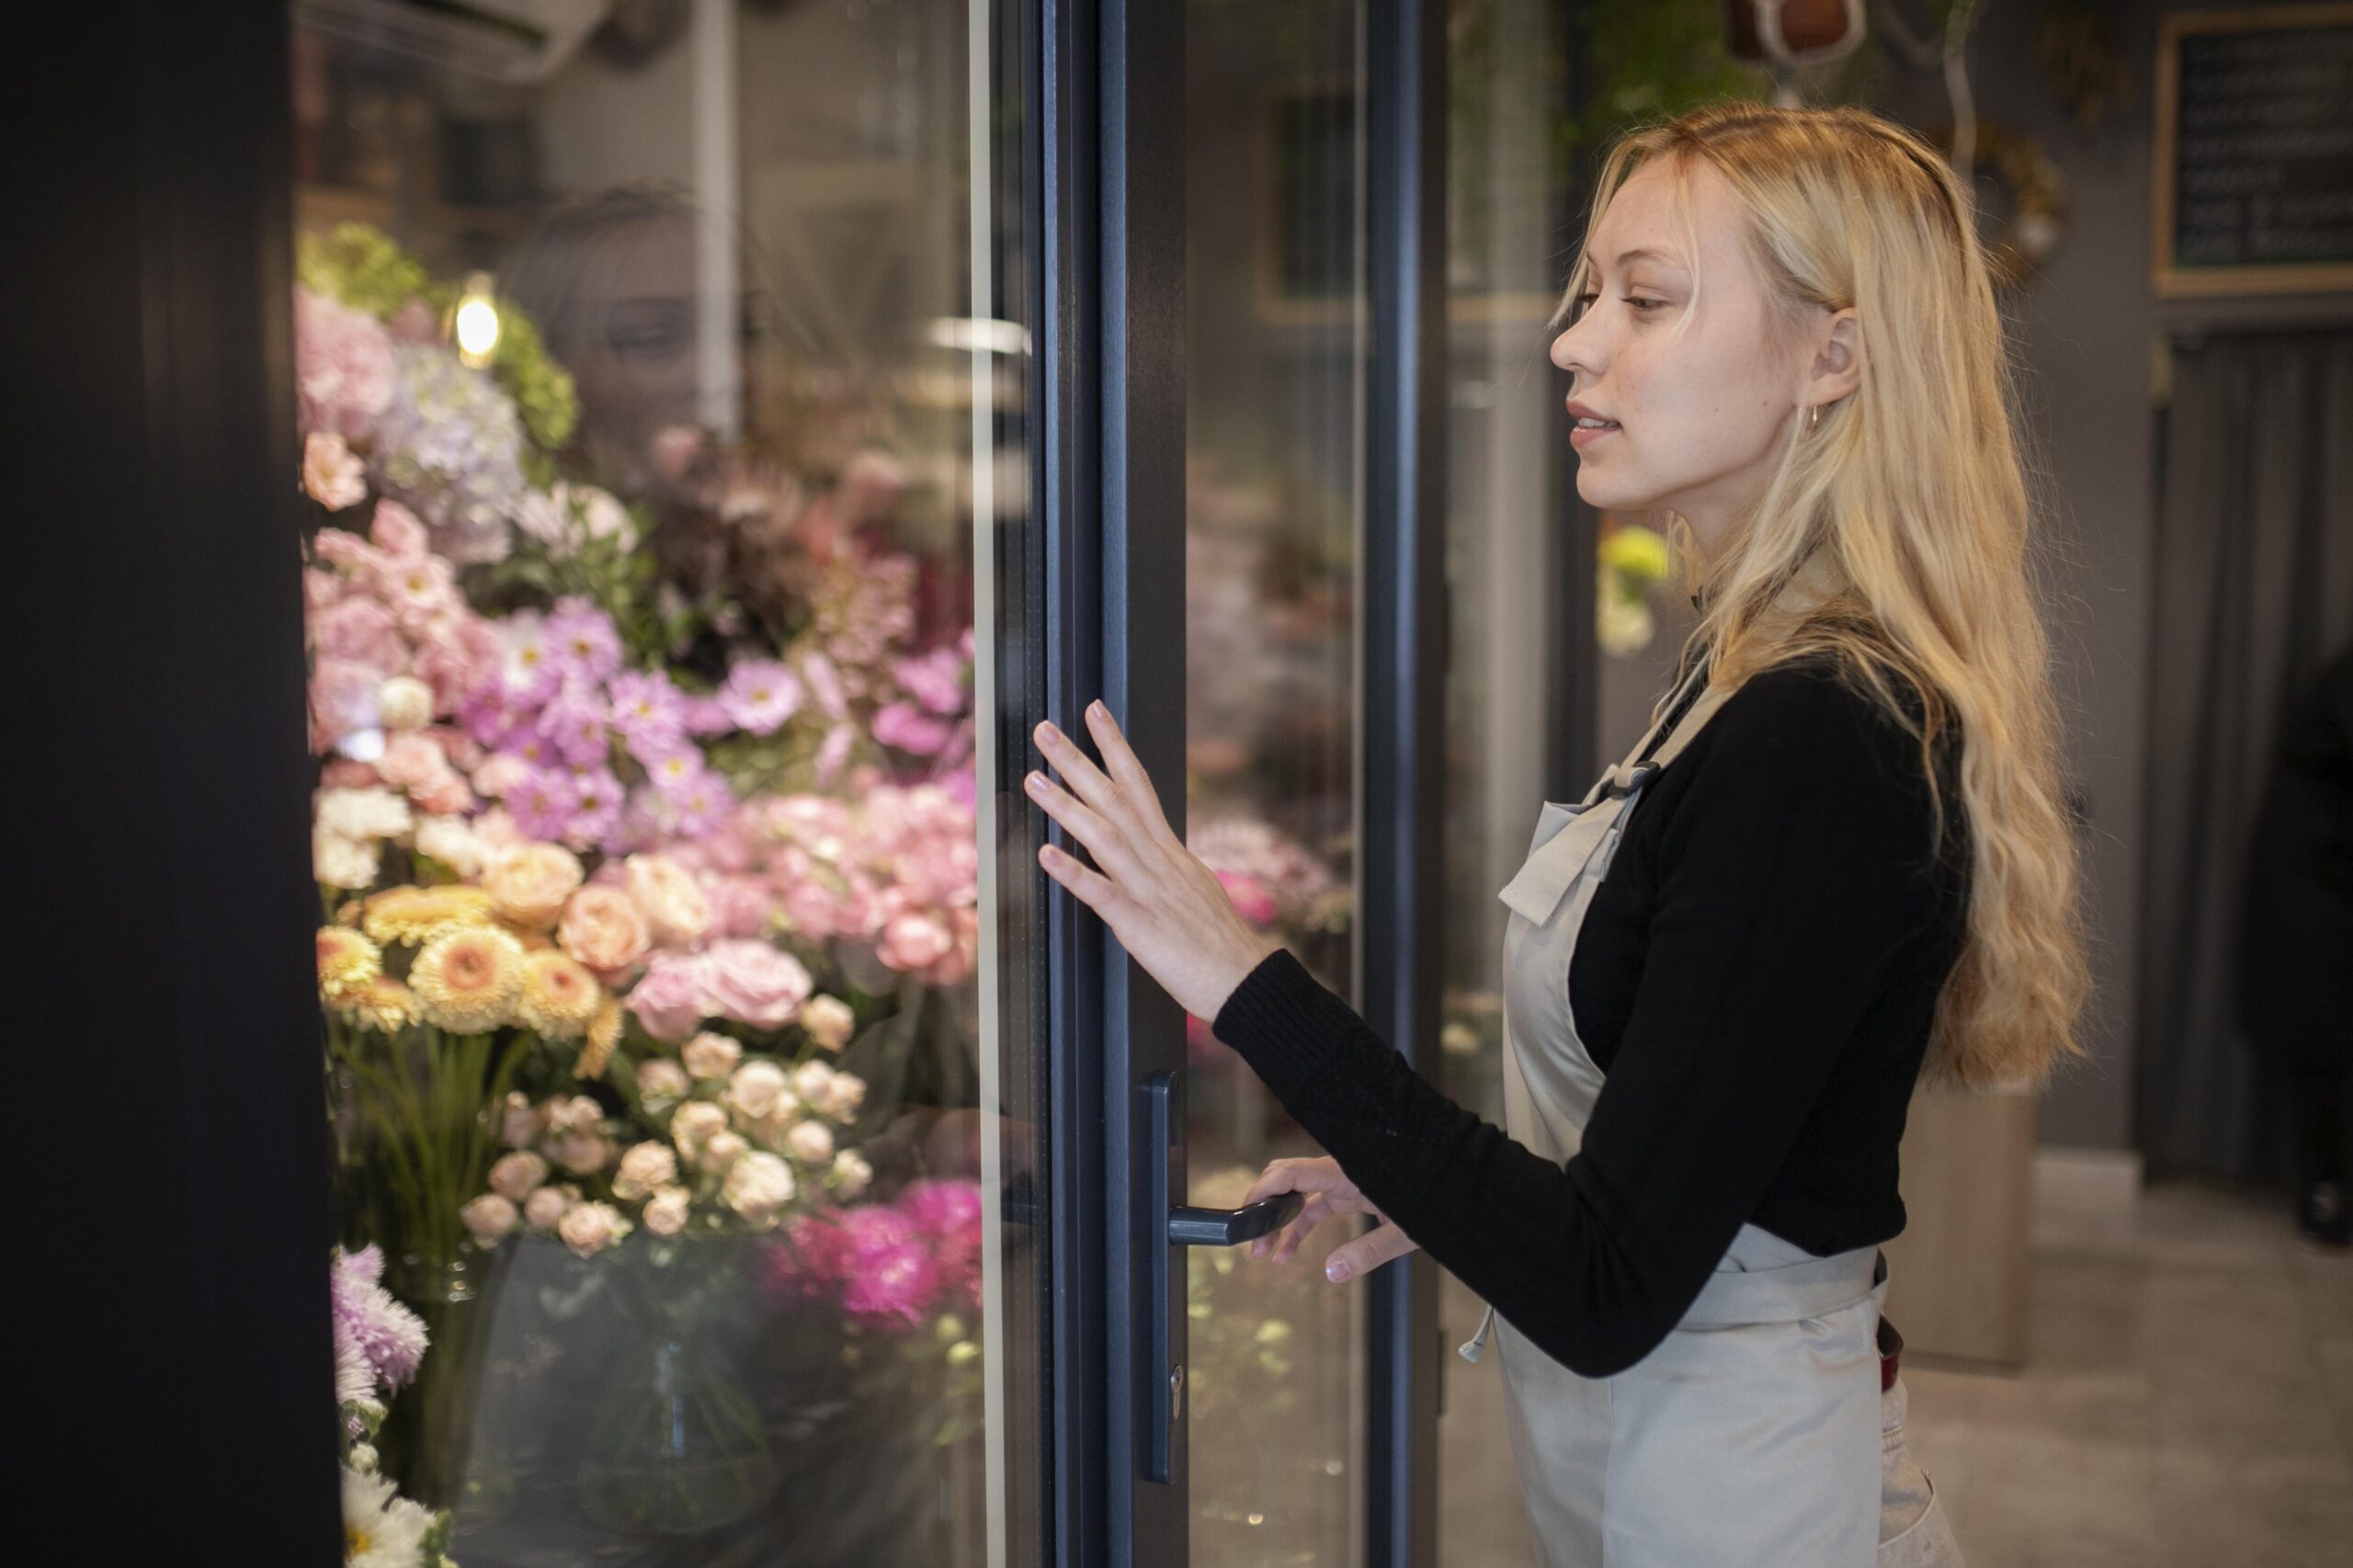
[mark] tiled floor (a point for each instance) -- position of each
(2188, 1401)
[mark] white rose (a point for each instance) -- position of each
(721, 1153)
(451, 842)
(370, 812)
(644, 1168)
(589, 1228)
(711, 1055)
(363, 1458)
(603, 515)
(488, 1218)
(812, 1143)
(581, 1152)
(758, 1187)
(812, 1081)
(695, 1125)
(661, 1079)
(519, 1125)
(848, 1093)
(666, 1212)
(404, 703)
(545, 1207)
(341, 862)
(577, 1113)
(514, 1175)
(755, 1088)
(850, 1174)
(828, 1020)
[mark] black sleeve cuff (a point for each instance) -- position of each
(1284, 1023)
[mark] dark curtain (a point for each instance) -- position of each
(2253, 587)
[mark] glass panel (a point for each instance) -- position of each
(1507, 245)
(1275, 351)
(661, 379)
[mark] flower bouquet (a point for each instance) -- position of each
(377, 1344)
(609, 861)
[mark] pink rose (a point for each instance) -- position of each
(360, 630)
(912, 941)
(669, 999)
(498, 775)
(446, 795)
(396, 529)
(754, 984)
(544, 1207)
(411, 761)
(602, 928)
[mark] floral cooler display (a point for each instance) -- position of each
(618, 872)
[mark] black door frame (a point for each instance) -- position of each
(1110, 382)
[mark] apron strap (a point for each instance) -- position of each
(1732, 1297)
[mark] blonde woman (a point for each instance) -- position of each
(1838, 861)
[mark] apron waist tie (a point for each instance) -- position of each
(1732, 1298)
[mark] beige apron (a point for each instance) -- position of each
(1753, 1436)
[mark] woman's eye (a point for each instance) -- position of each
(1645, 306)
(1642, 304)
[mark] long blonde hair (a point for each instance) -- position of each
(1904, 518)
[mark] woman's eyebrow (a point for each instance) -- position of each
(1640, 253)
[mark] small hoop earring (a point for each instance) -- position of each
(1815, 423)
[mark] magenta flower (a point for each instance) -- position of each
(647, 712)
(597, 800)
(543, 803)
(900, 725)
(708, 716)
(573, 723)
(583, 640)
(898, 1282)
(759, 696)
(387, 1334)
(934, 679)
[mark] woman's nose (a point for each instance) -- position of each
(1571, 355)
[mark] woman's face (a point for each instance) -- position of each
(1701, 412)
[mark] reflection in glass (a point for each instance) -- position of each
(654, 374)
(1275, 347)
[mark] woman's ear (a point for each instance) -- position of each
(1837, 357)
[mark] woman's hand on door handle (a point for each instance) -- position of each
(1167, 909)
(1331, 1195)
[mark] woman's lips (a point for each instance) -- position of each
(1586, 436)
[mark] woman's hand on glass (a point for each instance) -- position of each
(1167, 909)
(1330, 1196)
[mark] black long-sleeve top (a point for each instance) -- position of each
(1757, 976)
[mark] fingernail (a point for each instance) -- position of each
(1098, 709)
(1036, 782)
(1335, 1271)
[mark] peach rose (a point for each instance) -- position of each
(711, 1055)
(488, 1218)
(545, 1207)
(530, 884)
(758, 1187)
(589, 1228)
(756, 1089)
(644, 1168)
(666, 1212)
(669, 898)
(514, 1176)
(661, 1079)
(602, 928)
(828, 1020)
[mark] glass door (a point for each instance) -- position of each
(1275, 351)
(663, 375)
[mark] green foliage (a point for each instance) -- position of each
(361, 267)
(1653, 62)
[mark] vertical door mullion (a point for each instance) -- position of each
(1111, 366)
(1404, 636)
(1141, 53)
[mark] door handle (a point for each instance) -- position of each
(1173, 1226)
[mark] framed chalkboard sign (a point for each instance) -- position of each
(2254, 152)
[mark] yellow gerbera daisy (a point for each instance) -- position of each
(466, 979)
(346, 959)
(558, 997)
(419, 914)
(383, 1005)
(604, 1033)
